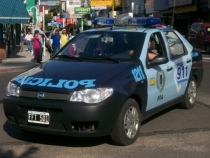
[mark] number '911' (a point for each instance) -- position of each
(182, 72)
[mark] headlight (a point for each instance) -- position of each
(91, 95)
(12, 90)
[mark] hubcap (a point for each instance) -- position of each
(131, 122)
(192, 92)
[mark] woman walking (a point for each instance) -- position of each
(64, 37)
(36, 45)
(28, 39)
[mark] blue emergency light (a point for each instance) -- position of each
(143, 21)
(100, 22)
(147, 21)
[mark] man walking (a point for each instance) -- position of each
(55, 40)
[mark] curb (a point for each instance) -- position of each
(12, 69)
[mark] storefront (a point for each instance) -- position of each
(12, 14)
(180, 17)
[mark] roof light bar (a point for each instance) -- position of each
(103, 22)
(147, 21)
(144, 21)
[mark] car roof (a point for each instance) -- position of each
(203, 23)
(131, 29)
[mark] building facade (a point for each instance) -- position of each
(181, 13)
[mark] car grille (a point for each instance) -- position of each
(47, 95)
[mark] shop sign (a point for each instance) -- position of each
(82, 10)
(94, 3)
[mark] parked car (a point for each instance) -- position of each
(199, 35)
(87, 91)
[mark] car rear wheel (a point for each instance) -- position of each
(127, 126)
(190, 94)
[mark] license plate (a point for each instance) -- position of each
(39, 117)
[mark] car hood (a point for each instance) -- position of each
(64, 75)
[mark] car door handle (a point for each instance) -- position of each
(169, 68)
(188, 60)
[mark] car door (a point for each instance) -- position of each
(159, 76)
(201, 36)
(193, 34)
(182, 62)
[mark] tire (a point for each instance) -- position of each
(127, 126)
(190, 95)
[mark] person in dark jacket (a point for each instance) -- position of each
(55, 40)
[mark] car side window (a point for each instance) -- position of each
(175, 44)
(194, 29)
(201, 30)
(156, 47)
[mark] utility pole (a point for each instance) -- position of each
(43, 12)
(172, 23)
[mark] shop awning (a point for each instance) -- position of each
(13, 12)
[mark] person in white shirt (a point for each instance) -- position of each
(28, 39)
(70, 36)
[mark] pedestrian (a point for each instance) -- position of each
(36, 45)
(64, 37)
(42, 36)
(70, 36)
(22, 37)
(28, 39)
(55, 40)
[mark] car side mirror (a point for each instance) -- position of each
(158, 60)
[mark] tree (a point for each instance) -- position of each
(48, 19)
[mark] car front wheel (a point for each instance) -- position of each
(127, 126)
(190, 95)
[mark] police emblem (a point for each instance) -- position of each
(160, 80)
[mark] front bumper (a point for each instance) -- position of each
(66, 118)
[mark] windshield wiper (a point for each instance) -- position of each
(69, 57)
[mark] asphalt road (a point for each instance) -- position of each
(174, 133)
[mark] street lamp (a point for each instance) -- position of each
(31, 13)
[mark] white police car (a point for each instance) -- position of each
(103, 83)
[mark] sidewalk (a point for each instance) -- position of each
(20, 60)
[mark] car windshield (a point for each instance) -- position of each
(104, 46)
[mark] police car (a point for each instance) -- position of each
(86, 90)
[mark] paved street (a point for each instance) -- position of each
(17, 60)
(173, 133)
